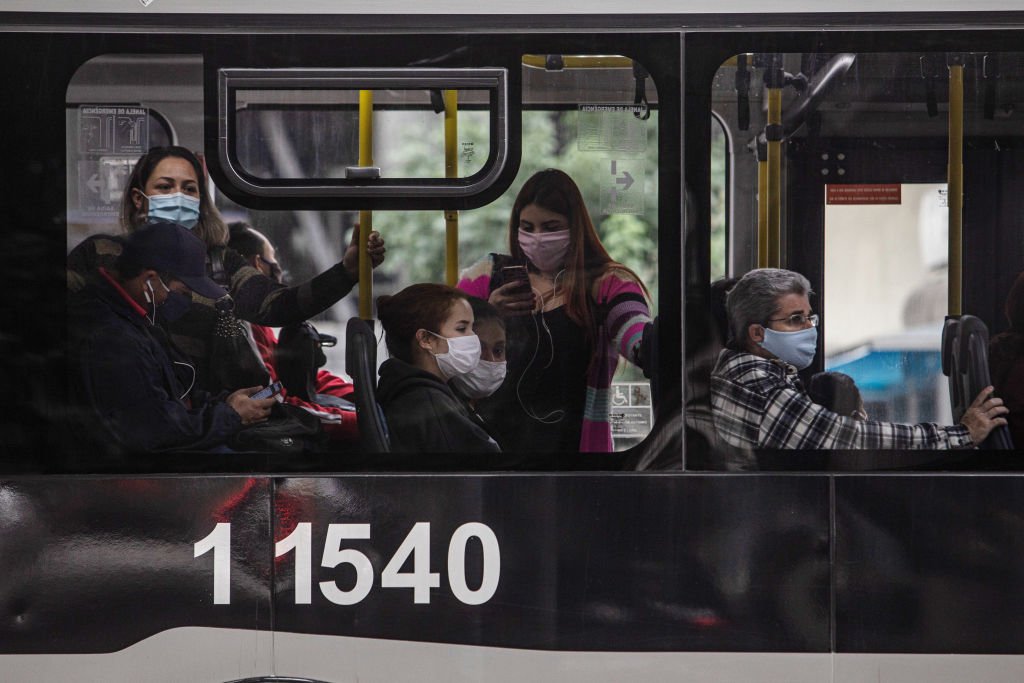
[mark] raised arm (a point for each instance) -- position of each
(623, 305)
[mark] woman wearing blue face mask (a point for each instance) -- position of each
(758, 401)
(429, 334)
(572, 312)
(169, 184)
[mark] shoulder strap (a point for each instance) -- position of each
(215, 263)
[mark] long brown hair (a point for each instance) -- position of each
(587, 259)
(210, 228)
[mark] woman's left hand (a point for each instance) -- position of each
(374, 247)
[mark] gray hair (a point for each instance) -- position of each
(754, 298)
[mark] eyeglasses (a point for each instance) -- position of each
(797, 320)
(276, 272)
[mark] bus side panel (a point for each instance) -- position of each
(930, 564)
(97, 565)
(587, 563)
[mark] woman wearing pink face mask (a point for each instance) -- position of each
(572, 312)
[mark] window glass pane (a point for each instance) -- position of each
(858, 203)
(719, 198)
(315, 133)
(892, 243)
(589, 122)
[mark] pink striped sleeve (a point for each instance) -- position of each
(476, 279)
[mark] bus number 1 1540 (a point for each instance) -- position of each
(416, 545)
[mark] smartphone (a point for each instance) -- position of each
(516, 274)
(273, 390)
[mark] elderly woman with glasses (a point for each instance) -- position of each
(758, 402)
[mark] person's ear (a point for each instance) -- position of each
(755, 333)
(138, 197)
(425, 340)
(254, 261)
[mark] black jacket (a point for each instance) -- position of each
(123, 373)
(423, 414)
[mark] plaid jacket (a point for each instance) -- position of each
(759, 403)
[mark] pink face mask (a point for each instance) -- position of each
(546, 250)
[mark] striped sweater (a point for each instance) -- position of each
(621, 312)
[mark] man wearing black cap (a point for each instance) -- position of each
(137, 385)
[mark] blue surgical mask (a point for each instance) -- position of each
(177, 208)
(796, 348)
(174, 306)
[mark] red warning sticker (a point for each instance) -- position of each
(873, 193)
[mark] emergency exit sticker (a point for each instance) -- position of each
(611, 128)
(113, 129)
(867, 193)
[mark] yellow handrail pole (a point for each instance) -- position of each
(451, 170)
(365, 217)
(955, 187)
(774, 130)
(762, 214)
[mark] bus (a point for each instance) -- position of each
(707, 141)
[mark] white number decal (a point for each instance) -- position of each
(416, 546)
(334, 555)
(301, 541)
(218, 540)
(421, 579)
(457, 563)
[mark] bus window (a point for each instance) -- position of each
(109, 125)
(595, 118)
(720, 155)
(840, 173)
(324, 126)
(332, 133)
(894, 247)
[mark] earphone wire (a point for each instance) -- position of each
(193, 369)
(151, 299)
(549, 418)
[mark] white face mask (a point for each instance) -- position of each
(463, 355)
(483, 380)
(546, 250)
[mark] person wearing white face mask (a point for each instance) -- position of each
(489, 374)
(429, 334)
(169, 183)
(571, 311)
(757, 399)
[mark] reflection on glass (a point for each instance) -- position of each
(315, 133)
(886, 273)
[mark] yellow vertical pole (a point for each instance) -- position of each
(774, 177)
(451, 170)
(762, 214)
(955, 187)
(365, 217)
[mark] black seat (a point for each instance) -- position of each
(965, 362)
(361, 365)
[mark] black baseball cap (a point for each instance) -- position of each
(173, 249)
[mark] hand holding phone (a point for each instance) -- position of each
(515, 296)
(516, 274)
(273, 390)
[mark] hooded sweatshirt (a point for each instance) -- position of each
(423, 414)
